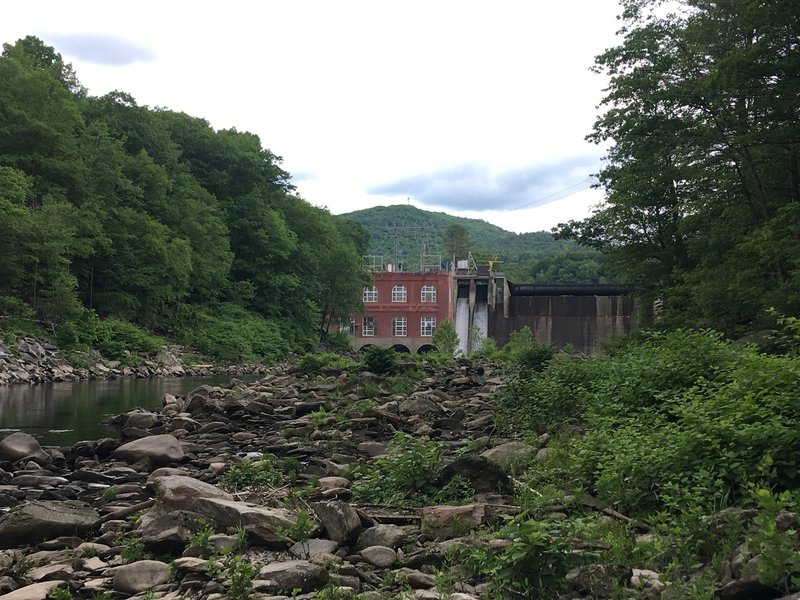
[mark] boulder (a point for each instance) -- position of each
(160, 449)
(452, 521)
(19, 446)
(293, 575)
(140, 576)
(37, 591)
(390, 536)
(312, 547)
(510, 454)
(178, 492)
(262, 523)
(483, 475)
(340, 520)
(379, 556)
(599, 580)
(142, 420)
(41, 520)
(172, 531)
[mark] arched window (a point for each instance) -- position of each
(428, 293)
(399, 294)
(370, 294)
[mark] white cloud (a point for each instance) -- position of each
(362, 94)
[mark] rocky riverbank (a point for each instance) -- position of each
(251, 491)
(28, 360)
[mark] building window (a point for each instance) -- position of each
(399, 327)
(368, 326)
(399, 294)
(370, 294)
(428, 293)
(426, 326)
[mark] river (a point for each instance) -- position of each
(60, 414)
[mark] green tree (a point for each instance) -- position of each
(445, 338)
(701, 177)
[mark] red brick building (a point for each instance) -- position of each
(402, 310)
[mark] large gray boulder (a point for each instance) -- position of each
(160, 449)
(179, 492)
(37, 591)
(263, 523)
(340, 520)
(391, 536)
(19, 445)
(292, 575)
(140, 576)
(41, 520)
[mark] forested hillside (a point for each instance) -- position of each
(150, 216)
(529, 257)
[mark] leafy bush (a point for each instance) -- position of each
(313, 362)
(525, 354)
(406, 476)
(379, 360)
(264, 472)
(114, 338)
(230, 333)
(445, 338)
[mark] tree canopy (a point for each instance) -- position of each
(702, 116)
(152, 215)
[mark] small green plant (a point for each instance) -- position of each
(201, 540)
(252, 473)
(149, 595)
(302, 528)
(240, 573)
(60, 593)
(779, 562)
(110, 494)
(132, 549)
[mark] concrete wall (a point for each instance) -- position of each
(581, 321)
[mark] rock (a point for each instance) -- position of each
(54, 572)
(390, 536)
(142, 420)
(294, 574)
(510, 455)
(379, 556)
(420, 404)
(171, 531)
(19, 446)
(599, 579)
(330, 483)
(140, 576)
(265, 524)
(482, 474)
(340, 520)
(417, 579)
(160, 449)
(37, 591)
(452, 521)
(741, 589)
(178, 492)
(313, 547)
(41, 520)
(372, 448)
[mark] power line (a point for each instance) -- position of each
(568, 191)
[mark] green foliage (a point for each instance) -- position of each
(777, 549)
(201, 540)
(379, 360)
(59, 593)
(445, 338)
(525, 355)
(535, 561)
(407, 475)
(264, 472)
(231, 333)
(137, 213)
(132, 549)
(701, 205)
(301, 529)
(313, 362)
(240, 573)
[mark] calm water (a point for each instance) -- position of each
(60, 414)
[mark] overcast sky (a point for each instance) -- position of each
(478, 109)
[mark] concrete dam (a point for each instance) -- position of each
(575, 315)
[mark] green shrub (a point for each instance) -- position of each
(313, 362)
(407, 475)
(229, 333)
(445, 338)
(264, 472)
(379, 360)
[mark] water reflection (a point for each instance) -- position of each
(60, 414)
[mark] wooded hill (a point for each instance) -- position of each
(150, 216)
(529, 257)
